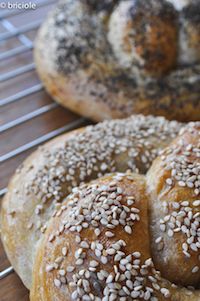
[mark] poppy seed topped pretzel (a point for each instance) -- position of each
(110, 58)
(128, 236)
(48, 175)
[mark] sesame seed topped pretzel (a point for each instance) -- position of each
(113, 58)
(49, 175)
(98, 248)
(130, 231)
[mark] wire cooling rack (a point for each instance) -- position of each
(28, 117)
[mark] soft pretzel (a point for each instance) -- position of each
(110, 58)
(48, 175)
(127, 236)
(123, 236)
(98, 247)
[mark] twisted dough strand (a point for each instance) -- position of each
(112, 59)
(99, 246)
(49, 174)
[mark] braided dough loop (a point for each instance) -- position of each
(143, 39)
(49, 174)
(99, 245)
(174, 208)
(99, 67)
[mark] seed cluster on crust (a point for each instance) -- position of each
(95, 152)
(49, 175)
(184, 218)
(102, 208)
(184, 165)
(75, 35)
(81, 61)
(78, 30)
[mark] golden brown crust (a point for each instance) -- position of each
(124, 235)
(78, 264)
(132, 186)
(93, 83)
(148, 34)
(18, 211)
(49, 174)
(163, 38)
(174, 209)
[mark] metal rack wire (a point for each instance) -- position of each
(25, 45)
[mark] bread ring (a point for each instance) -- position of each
(110, 59)
(99, 245)
(49, 174)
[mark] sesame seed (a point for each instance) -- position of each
(94, 263)
(57, 282)
(170, 233)
(70, 269)
(195, 269)
(97, 232)
(185, 203)
(158, 240)
(51, 238)
(169, 181)
(128, 229)
(165, 292)
(49, 268)
(196, 203)
(79, 261)
(162, 227)
(62, 272)
(109, 234)
(84, 245)
(64, 251)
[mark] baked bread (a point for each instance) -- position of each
(99, 247)
(127, 236)
(44, 180)
(175, 209)
(110, 58)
